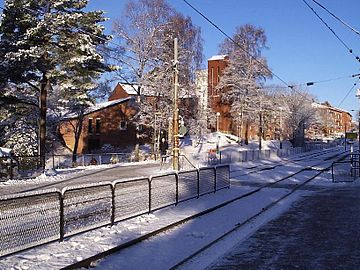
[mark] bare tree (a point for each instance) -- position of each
(146, 31)
(245, 72)
(301, 113)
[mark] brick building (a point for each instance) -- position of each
(331, 122)
(220, 112)
(105, 123)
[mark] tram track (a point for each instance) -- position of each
(89, 261)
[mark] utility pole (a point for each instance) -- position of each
(176, 109)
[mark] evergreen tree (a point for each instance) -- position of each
(49, 42)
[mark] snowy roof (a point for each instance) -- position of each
(218, 57)
(318, 105)
(99, 106)
(130, 89)
(106, 104)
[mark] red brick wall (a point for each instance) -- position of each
(110, 132)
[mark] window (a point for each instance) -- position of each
(90, 126)
(97, 126)
(123, 125)
(218, 74)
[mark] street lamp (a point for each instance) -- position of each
(217, 121)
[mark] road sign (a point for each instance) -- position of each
(351, 135)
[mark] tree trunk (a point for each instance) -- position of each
(78, 130)
(45, 83)
(247, 132)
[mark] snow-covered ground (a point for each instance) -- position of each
(164, 251)
(195, 151)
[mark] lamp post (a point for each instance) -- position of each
(217, 121)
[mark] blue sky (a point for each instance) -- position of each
(301, 48)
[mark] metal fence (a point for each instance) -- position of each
(227, 157)
(30, 166)
(346, 170)
(31, 219)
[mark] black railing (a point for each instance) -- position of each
(347, 169)
(34, 218)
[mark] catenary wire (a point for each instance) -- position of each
(332, 31)
(230, 38)
(337, 18)
(218, 28)
(347, 94)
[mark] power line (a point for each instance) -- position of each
(236, 43)
(347, 94)
(332, 31)
(337, 18)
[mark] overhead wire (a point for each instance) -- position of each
(292, 87)
(332, 31)
(347, 94)
(337, 18)
(231, 39)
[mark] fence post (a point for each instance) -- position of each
(220, 157)
(83, 160)
(215, 179)
(177, 188)
(53, 161)
(62, 222)
(332, 172)
(149, 180)
(112, 204)
(198, 183)
(99, 159)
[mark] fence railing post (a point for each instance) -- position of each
(177, 188)
(198, 183)
(62, 218)
(150, 179)
(215, 179)
(112, 204)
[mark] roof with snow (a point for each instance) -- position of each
(318, 105)
(98, 107)
(218, 57)
(131, 89)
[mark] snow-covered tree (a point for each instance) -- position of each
(246, 71)
(301, 113)
(50, 42)
(146, 32)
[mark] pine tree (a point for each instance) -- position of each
(49, 42)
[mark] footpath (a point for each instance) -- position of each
(321, 231)
(79, 176)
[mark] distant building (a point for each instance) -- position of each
(331, 122)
